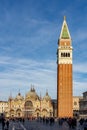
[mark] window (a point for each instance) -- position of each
(65, 54)
(28, 104)
(68, 54)
(75, 103)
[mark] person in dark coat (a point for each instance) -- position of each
(7, 123)
(3, 123)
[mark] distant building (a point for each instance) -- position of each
(76, 105)
(3, 106)
(33, 105)
(54, 104)
(30, 106)
(83, 105)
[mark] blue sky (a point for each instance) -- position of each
(29, 31)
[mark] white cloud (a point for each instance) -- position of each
(21, 73)
(80, 67)
(80, 78)
(79, 88)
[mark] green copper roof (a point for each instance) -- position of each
(65, 33)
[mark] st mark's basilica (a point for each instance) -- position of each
(29, 106)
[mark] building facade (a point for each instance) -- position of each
(30, 106)
(76, 105)
(34, 106)
(64, 73)
(83, 105)
(3, 106)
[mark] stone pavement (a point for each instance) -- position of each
(34, 125)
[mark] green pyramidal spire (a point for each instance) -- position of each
(65, 32)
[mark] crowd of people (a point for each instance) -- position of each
(46, 120)
(72, 123)
(83, 122)
(5, 124)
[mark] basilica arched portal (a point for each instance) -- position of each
(28, 109)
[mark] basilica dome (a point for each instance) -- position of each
(19, 97)
(47, 97)
(32, 95)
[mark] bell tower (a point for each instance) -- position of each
(64, 73)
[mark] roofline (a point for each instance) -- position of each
(64, 22)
